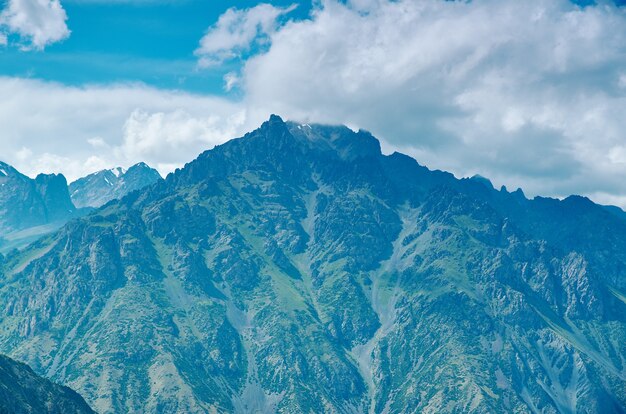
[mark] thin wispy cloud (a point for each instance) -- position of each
(237, 31)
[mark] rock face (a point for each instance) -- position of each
(31, 208)
(298, 270)
(23, 392)
(26, 203)
(101, 187)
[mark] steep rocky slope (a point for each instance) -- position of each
(23, 392)
(25, 202)
(30, 208)
(298, 269)
(103, 186)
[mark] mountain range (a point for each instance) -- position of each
(298, 269)
(31, 208)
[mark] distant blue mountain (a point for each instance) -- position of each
(103, 186)
(298, 269)
(31, 208)
(26, 202)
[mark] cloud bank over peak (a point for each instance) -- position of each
(37, 23)
(530, 93)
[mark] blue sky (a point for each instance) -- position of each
(530, 93)
(149, 41)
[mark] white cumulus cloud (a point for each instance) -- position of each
(236, 31)
(168, 139)
(38, 23)
(74, 130)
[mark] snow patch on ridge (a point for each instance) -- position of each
(118, 171)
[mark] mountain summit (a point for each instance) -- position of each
(26, 202)
(103, 186)
(298, 269)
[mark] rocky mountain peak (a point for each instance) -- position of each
(54, 192)
(7, 170)
(103, 186)
(26, 202)
(142, 171)
(346, 143)
(482, 180)
(140, 166)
